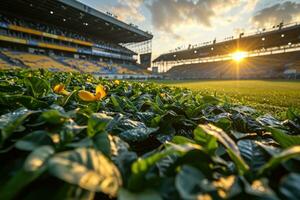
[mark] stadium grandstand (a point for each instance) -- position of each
(266, 53)
(66, 35)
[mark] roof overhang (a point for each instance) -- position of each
(262, 40)
(74, 15)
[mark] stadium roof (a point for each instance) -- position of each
(286, 35)
(76, 16)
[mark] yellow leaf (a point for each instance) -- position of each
(59, 88)
(100, 92)
(65, 92)
(86, 96)
(162, 95)
(117, 82)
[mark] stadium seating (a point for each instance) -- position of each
(82, 65)
(56, 63)
(295, 66)
(37, 61)
(270, 66)
(292, 70)
(6, 65)
(96, 67)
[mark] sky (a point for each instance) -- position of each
(178, 23)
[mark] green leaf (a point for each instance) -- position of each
(86, 142)
(289, 186)
(191, 183)
(284, 139)
(158, 101)
(11, 121)
(33, 140)
(116, 102)
(87, 168)
(259, 189)
(69, 130)
(252, 153)
(285, 155)
(222, 120)
(37, 87)
(140, 167)
(144, 195)
(268, 120)
(67, 191)
(206, 140)
(137, 134)
(182, 140)
(291, 115)
(102, 143)
(37, 158)
(124, 161)
(229, 144)
(53, 117)
(16, 101)
(224, 123)
(271, 150)
(97, 123)
(210, 100)
(19, 180)
(134, 131)
(64, 100)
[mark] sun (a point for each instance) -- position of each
(238, 56)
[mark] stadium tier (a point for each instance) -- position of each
(82, 65)
(66, 35)
(34, 61)
(257, 67)
(6, 65)
(18, 59)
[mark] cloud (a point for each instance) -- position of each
(129, 10)
(250, 5)
(169, 14)
(272, 15)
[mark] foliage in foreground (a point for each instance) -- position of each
(140, 141)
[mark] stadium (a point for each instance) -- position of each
(71, 37)
(267, 53)
(93, 108)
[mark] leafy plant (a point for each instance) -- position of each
(72, 136)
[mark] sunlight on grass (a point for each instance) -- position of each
(273, 97)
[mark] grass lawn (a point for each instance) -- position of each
(268, 96)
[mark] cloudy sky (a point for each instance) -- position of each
(178, 23)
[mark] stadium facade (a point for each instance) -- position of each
(266, 53)
(66, 35)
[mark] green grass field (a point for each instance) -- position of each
(273, 97)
